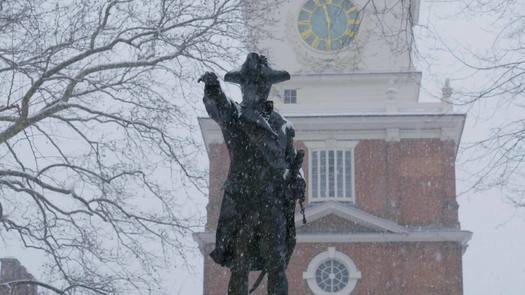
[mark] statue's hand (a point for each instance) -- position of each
(263, 60)
(209, 79)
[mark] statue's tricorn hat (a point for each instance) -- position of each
(256, 64)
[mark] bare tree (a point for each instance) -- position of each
(97, 147)
(495, 78)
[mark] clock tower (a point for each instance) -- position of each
(380, 165)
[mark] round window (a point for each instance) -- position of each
(332, 276)
(332, 273)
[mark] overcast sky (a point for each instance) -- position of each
(494, 263)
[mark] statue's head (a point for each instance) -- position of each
(256, 79)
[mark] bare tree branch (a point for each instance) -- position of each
(97, 145)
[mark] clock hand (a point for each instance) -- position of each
(329, 23)
(328, 19)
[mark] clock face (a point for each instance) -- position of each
(328, 25)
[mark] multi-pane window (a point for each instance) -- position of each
(331, 175)
(290, 96)
(332, 272)
(332, 276)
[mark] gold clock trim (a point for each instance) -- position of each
(309, 36)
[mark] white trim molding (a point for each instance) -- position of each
(350, 213)
(462, 237)
(354, 275)
(390, 231)
(412, 236)
(343, 128)
(331, 144)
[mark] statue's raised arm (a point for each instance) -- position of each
(219, 107)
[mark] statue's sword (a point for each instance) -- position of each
(294, 172)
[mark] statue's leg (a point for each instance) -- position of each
(238, 284)
(240, 270)
(275, 247)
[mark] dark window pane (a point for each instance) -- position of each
(315, 175)
(340, 174)
(323, 174)
(331, 173)
(348, 173)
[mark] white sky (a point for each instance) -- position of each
(494, 263)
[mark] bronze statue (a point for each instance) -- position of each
(256, 230)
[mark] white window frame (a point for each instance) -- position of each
(329, 254)
(335, 146)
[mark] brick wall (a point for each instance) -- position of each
(387, 269)
(219, 165)
(12, 270)
(411, 182)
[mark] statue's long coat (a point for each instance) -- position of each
(261, 148)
